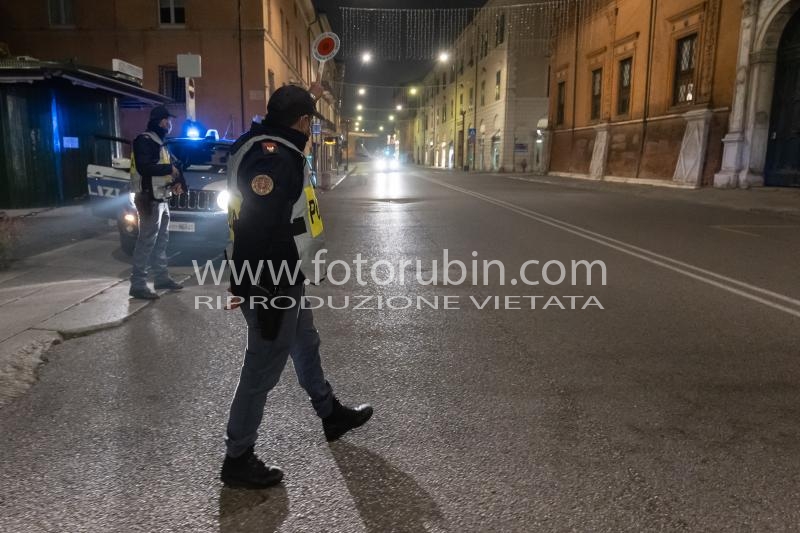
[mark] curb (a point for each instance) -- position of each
(339, 182)
(19, 369)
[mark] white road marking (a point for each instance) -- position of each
(739, 228)
(700, 274)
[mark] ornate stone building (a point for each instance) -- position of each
(762, 145)
(642, 90)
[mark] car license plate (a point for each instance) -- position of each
(181, 226)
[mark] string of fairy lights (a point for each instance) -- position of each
(398, 34)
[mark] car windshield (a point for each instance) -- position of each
(199, 153)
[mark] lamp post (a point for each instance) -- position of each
(463, 138)
(347, 145)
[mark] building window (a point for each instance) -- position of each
(170, 85)
(471, 55)
(561, 102)
(171, 12)
(444, 111)
(461, 102)
(61, 13)
(624, 89)
(500, 29)
(483, 92)
(484, 44)
(284, 33)
(497, 85)
(471, 97)
(597, 92)
(452, 73)
(685, 60)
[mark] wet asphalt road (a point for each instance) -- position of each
(674, 408)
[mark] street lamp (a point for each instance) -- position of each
(360, 118)
(346, 145)
(359, 107)
(463, 131)
(444, 57)
(399, 107)
(380, 128)
(412, 91)
(362, 91)
(366, 57)
(391, 118)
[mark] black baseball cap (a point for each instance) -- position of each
(291, 102)
(159, 113)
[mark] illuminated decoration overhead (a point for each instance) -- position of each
(421, 34)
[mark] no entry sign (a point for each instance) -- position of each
(325, 46)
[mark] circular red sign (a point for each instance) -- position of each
(326, 46)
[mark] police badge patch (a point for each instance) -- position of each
(262, 185)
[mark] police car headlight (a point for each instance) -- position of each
(222, 200)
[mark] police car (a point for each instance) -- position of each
(199, 215)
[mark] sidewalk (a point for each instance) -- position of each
(53, 296)
(67, 292)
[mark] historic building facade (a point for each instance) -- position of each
(643, 90)
(763, 139)
(483, 105)
(248, 49)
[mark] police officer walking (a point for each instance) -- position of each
(275, 220)
(154, 178)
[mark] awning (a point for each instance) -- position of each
(32, 71)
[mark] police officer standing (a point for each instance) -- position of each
(275, 219)
(154, 178)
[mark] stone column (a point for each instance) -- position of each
(689, 170)
(600, 153)
(734, 142)
(759, 109)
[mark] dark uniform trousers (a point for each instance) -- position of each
(264, 361)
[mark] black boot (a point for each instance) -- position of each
(342, 419)
(249, 472)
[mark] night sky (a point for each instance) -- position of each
(382, 73)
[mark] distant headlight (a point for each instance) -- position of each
(394, 164)
(380, 164)
(222, 200)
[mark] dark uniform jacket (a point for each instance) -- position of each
(263, 231)
(147, 154)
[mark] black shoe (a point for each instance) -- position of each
(249, 472)
(168, 284)
(142, 293)
(342, 419)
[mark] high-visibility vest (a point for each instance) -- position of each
(161, 184)
(309, 235)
